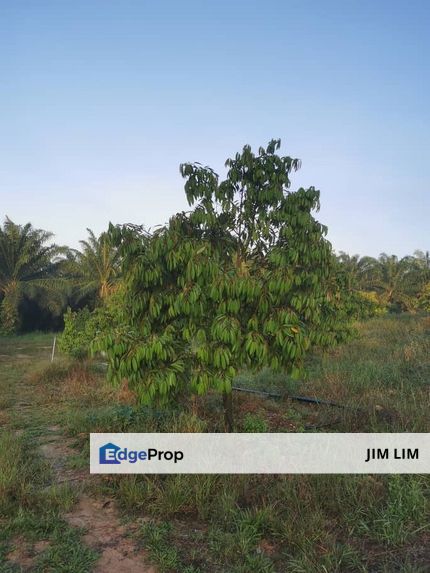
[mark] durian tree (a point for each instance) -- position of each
(242, 280)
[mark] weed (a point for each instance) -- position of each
(403, 514)
(157, 541)
(66, 554)
(253, 423)
(324, 524)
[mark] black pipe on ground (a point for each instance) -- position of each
(306, 399)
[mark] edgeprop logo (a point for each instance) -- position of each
(112, 454)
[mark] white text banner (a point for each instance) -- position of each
(262, 453)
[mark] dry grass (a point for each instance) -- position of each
(272, 524)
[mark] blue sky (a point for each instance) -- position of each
(102, 100)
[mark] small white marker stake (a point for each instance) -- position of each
(53, 349)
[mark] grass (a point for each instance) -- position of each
(382, 377)
(30, 512)
(385, 371)
(31, 504)
(232, 524)
(66, 554)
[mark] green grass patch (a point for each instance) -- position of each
(200, 523)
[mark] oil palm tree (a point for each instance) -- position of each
(356, 270)
(421, 260)
(422, 272)
(28, 265)
(393, 278)
(95, 268)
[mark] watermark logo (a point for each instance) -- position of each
(259, 453)
(112, 454)
(108, 454)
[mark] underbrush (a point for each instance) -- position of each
(259, 523)
(384, 375)
(305, 523)
(300, 523)
(31, 509)
(72, 382)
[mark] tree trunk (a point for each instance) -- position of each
(9, 315)
(227, 399)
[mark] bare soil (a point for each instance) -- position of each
(99, 517)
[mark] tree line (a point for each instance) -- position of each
(245, 279)
(40, 280)
(393, 284)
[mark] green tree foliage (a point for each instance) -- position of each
(395, 281)
(242, 280)
(424, 297)
(82, 327)
(422, 278)
(422, 264)
(387, 283)
(359, 301)
(78, 333)
(356, 270)
(94, 270)
(28, 266)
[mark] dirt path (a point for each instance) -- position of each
(24, 408)
(100, 518)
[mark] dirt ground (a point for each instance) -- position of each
(98, 517)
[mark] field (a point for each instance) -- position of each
(55, 517)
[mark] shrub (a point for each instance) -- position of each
(81, 329)
(253, 424)
(424, 297)
(369, 304)
(77, 335)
